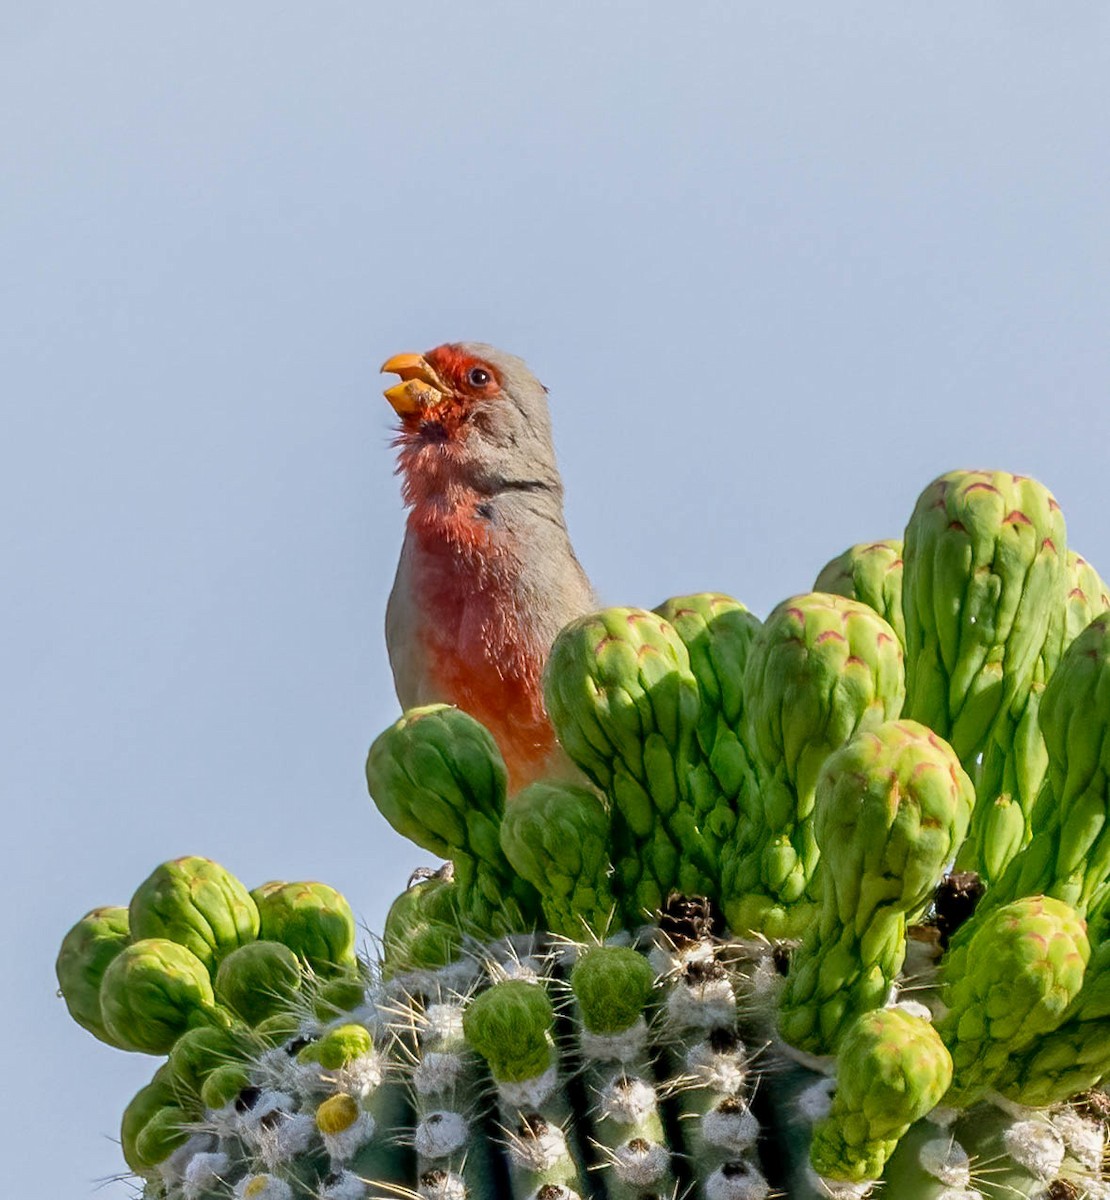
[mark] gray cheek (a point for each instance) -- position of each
(495, 429)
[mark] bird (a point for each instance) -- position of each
(487, 575)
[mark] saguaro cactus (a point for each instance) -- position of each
(710, 970)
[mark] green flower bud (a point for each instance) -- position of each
(198, 1052)
(312, 919)
(338, 996)
(422, 927)
(1088, 596)
(86, 951)
(1012, 772)
(338, 1047)
(510, 1026)
(1023, 966)
(430, 770)
(985, 561)
(556, 836)
(258, 980)
(821, 668)
(872, 574)
(337, 1113)
(279, 1028)
(153, 991)
(891, 1070)
(1068, 856)
(612, 986)
(160, 1093)
(166, 1130)
(625, 704)
(198, 904)
(717, 632)
(1075, 1056)
(438, 778)
(1015, 759)
(893, 805)
(222, 1084)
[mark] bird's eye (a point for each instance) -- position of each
(478, 377)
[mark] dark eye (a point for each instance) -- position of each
(478, 377)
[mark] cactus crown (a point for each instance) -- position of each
(713, 964)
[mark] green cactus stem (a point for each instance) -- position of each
(386, 1157)
(820, 668)
(612, 988)
(438, 778)
(929, 1163)
(892, 1069)
(892, 806)
(511, 1025)
(1017, 1157)
(710, 1072)
(446, 1085)
(624, 703)
(871, 573)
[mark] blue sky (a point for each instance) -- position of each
(780, 265)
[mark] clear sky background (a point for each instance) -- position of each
(779, 264)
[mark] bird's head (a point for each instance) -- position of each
(472, 417)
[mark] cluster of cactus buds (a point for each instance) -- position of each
(825, 914)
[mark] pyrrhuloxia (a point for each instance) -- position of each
(487, 575)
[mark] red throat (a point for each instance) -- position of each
(431, 456)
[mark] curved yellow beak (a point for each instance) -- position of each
(419, 388)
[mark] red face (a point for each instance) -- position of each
(439, 387)
(439, 400)
(468, 376)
